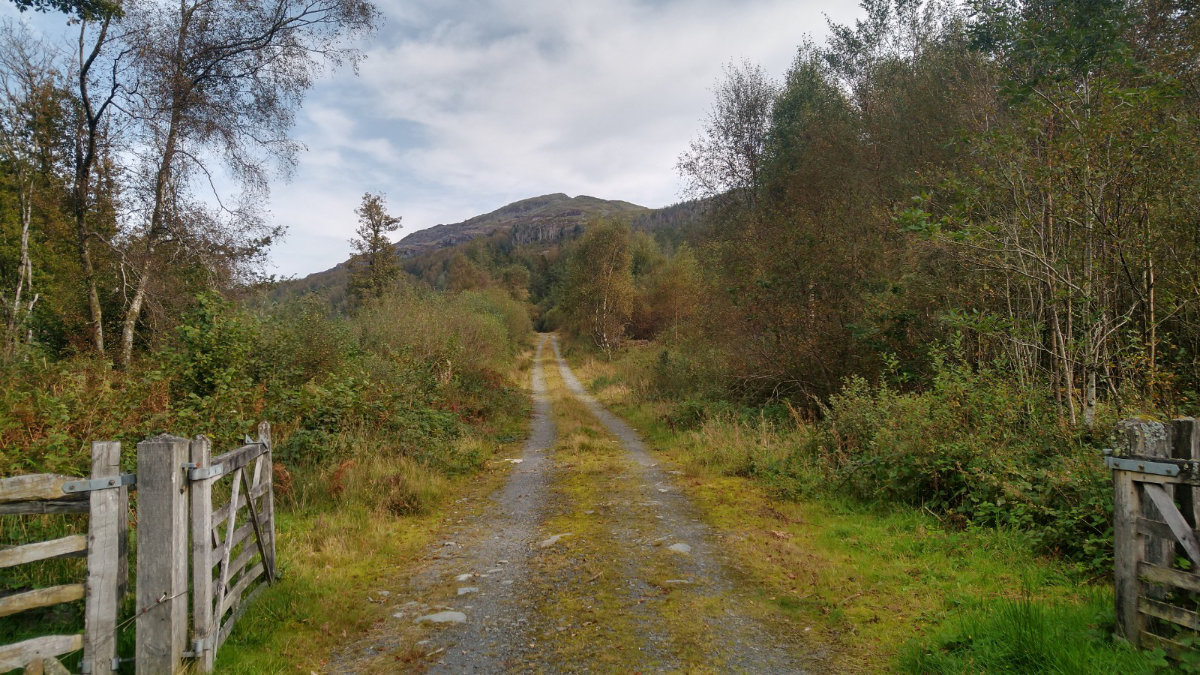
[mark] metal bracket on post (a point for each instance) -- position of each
(115, 665)
(200, 473)
(198, 647)
(90, 484)
(1142, 466)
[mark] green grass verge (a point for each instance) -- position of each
(879, 586)
(1025, 635)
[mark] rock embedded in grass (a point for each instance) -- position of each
(443, 617)
(680, 548)
(553, 540)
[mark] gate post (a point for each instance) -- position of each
(203, 630)
(105, 530)
(1128, 551)
(162, 555)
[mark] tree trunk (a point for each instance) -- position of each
(157, 221)
(162, 179)
(24, 275)
(85, 159)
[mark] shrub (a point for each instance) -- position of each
(976, 447)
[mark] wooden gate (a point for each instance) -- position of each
(233, 546)
(232, 553)
(105, 498)
(1156, 506)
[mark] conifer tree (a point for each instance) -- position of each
(374, 267)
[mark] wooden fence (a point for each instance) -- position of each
(231, 552)
(1156, 506)
(105, 499)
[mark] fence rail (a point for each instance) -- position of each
(104, 547)
(1156, 506)
(231, 551)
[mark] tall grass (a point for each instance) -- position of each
(973, 447)
(972, 452)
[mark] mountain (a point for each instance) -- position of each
(529, 220)
(547, 218)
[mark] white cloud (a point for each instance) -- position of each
(464, 106)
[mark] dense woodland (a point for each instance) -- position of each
(1012, 181)
(134, 172)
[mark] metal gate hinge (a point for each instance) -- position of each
(90, 484)
(201, 472)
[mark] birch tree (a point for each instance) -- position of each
(32, 109)
(727, 157)
(599, 285)
(98, 81)
(221, 78)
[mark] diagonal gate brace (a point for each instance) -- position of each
(1179, 526)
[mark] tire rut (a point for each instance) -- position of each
(495, 552)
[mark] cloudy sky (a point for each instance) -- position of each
(463, 106)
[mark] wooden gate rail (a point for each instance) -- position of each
(105, 549)
(228, 569)
(1156, 507)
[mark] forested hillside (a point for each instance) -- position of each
(1015, 179)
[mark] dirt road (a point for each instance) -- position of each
(588, 559)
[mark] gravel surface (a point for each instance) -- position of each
(495, 563)
(503, 592)
(736, 641)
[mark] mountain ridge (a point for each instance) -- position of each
(549, 214)
(545, 218)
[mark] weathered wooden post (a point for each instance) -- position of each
(1187, 447)
(1152, 439)
(103, 561)
(1137, 438)
(162, 556)
(1128, 552)
(203, 630)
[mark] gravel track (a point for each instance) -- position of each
(511, 619)
(737, 641)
